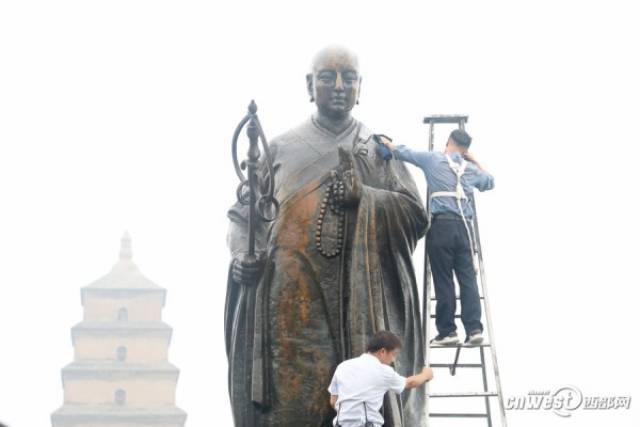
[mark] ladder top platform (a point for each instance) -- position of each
(446, 118)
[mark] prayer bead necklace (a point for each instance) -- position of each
(334, 198)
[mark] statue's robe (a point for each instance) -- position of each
(286, 334)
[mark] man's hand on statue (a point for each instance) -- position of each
(247, 270)
(387, 142)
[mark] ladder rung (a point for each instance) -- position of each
(484, 344)
(452, 415)
(446, 118)
(457, 316)
(468, 394)
(457, 297)
(457, 365)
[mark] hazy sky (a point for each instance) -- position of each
(118, 115)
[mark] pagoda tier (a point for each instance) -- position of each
(103, 341)
(101, 416)
(145, 384)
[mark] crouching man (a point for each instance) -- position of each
(359, 384)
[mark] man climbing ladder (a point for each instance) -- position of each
(451, 177)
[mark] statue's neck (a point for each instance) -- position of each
(335, 125)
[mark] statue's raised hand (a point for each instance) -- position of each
(345, 171)
(246, 269)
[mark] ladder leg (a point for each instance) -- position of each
(487, 313)
(426, 279)
(487, 404)
(452, 368)
(426, 294)
(426, 313)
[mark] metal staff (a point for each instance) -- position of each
(256, 192)
(251, 190)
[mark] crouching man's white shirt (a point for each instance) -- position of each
(361, 380)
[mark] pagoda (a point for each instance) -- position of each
(121, 375)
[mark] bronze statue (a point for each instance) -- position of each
(333, 268)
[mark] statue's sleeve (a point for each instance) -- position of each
(238, 233)
(391, 187)
(389, 221)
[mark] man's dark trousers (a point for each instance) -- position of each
(449, 250)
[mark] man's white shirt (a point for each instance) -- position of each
(363, 381)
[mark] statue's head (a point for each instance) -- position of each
(334, 81)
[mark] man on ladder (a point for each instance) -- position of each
(451, 177)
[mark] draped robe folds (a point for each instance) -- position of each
(286, 334)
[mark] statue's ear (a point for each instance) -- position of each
(359, 89)
(310, 87)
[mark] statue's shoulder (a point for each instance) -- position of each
(367, 135)
(364, 133)
(292, 136)
(371, 143)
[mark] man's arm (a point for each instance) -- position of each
(482, 179)
(419, 379)
(416, 158)
(333, 390)
(471, 159)
(332, 400)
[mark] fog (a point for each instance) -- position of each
(119, 115)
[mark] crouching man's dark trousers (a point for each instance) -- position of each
(449, 250)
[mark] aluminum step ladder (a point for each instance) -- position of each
(489, 341)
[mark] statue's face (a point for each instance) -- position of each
(335, 83)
